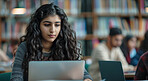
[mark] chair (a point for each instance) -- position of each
(5, 76)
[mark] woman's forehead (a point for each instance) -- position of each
(52, 18)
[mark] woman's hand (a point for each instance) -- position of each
(87, 80)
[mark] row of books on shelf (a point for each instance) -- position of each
(116, 6)
(84, 26)
(70, 6)
(12, 30)
(128, 26)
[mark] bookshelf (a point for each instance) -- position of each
(91, 19)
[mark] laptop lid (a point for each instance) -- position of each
(56, 70)
(111, 71)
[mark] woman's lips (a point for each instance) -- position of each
(51, 36)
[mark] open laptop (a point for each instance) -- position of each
(111, 71)
(56, 70)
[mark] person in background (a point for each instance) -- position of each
(3, 56)
(11, 47)
(142, 49)
(49, 37)
(142, 68)
(109, 51)
(128, 48)
(14, 52)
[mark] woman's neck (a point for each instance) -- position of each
(46, 46)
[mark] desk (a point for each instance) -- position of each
(129, 76)
(6, 71)
(5, 67)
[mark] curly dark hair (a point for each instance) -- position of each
(65, 47)
(143, 45)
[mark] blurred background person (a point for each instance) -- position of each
(109, 51)
(142, 68)
(3, 56)
(128, 48)
(142, 49)
(12, 48)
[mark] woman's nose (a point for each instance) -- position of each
(52, 29)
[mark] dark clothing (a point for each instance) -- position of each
(17, 71)
(128, 58)
(135, 59)
(142, 68)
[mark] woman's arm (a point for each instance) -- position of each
(87, 77)
(17, 71)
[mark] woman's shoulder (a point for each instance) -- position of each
(23, 45)
(144, 56)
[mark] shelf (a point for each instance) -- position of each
(7, 40)
(16, 16)
(117, 15)
(83, 14)
(144, 15)
(88, 37)
(4, 16)
(87, 14)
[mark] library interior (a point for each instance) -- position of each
(106, 30)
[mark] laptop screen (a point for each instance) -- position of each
(111, 71)
(56, 70)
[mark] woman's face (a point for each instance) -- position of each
(132, 43)
(50, 28)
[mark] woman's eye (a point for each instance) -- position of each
(57, 25)
(46, 24)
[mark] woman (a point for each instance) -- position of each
(49, 37)
(142, 49)
(128, 48)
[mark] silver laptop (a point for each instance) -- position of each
(56, 70)
(111, 71)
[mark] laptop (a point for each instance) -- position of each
(56, 70)
(111, 71)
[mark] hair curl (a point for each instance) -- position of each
(65, 47)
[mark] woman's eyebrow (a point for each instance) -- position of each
(51, 22)
(47, 22)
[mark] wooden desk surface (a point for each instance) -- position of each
(5, 67)
(6, 71)
(129, 75)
